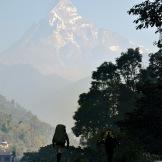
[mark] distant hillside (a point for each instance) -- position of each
(43, 95)
(36, 92)
(21, 129)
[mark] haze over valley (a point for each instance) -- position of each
(47, 69)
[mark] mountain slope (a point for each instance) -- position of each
(66, 44)
(21, 129)
(30, 88)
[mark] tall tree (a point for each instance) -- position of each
(155, 66)
(129, 66)
(145, 123)
(99, 105)
(109, 96)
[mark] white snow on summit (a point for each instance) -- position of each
(66, 44)
(64, 13)
(69, 26)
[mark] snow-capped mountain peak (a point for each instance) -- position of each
(65, 44)
(64, 13)
(70, 28)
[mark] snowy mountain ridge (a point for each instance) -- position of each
(66, 44)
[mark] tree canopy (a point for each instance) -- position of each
(149, 14)
(145, 122)
(111, 95)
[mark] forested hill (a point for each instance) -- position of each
(21, 129)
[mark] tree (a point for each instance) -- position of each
(145, 123)
(111, 95)
(99, 105)
(155, 66)
(129, 65)
(149, 14)
(107, 80)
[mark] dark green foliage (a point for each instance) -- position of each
(111, 95)
(155, 66)
(145, 123)
(131, 150)
(127, 99)
(128, 150)
(129, 65)
(125, 94)
(149, 14)
(99, 104)
(48, 154)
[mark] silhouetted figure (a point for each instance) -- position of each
(59, 139)
(110, 145)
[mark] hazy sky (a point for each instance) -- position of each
(17, 16)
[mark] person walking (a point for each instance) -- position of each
(110, 145)
(59, 140)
